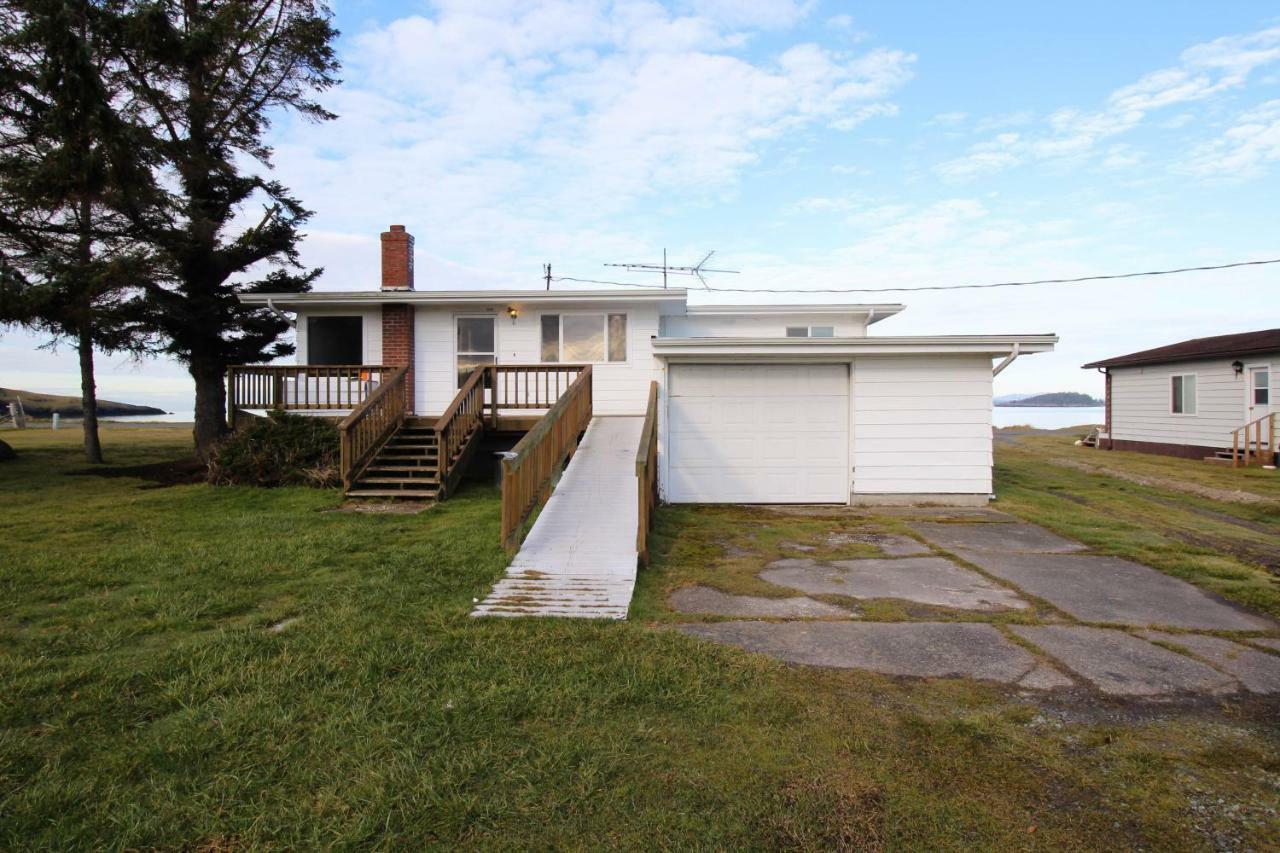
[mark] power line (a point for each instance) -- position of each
(936, 287)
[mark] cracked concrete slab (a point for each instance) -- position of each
(1268, 642)
(921, 649)
(1108, 589)
(891, 544)
(1124, 665)
(1258, 671)
(704, 599)
(926, 580)
(980, 514)
(1012, 537)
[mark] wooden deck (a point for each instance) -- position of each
(579, 560)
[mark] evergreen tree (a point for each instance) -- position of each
(70, 168)
(210, 76)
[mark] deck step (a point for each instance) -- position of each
(426, 494)
(396, 480)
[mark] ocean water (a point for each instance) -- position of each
(167, 418)
(1047, 417)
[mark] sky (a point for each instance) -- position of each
(811, 145)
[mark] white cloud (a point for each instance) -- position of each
(1205, 70)
(1245, 148)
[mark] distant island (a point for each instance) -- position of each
(1059, 399)
(38, 405)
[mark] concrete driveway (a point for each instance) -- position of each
(1089, 621)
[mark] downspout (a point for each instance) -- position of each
(1009, 359)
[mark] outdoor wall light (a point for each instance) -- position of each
(1238, 367)
(513, 312)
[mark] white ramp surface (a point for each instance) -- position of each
(579, 559)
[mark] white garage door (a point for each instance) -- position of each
(758, 433)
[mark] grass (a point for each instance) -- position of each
(145, 700)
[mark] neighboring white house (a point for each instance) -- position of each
(778, 404)
(1186, 398)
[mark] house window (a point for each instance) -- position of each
(811, 331)
(476, 345)
(584, 338)
(1261, 381)
(335, 340)
(1183, 394)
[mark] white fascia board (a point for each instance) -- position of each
(834, 349)
(879, 310)
(294, 301)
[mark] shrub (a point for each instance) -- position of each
(279, 450)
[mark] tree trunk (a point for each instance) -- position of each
(89, 397)
(211, 407)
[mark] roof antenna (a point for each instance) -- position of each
(697, 270)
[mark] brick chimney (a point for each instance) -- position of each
(397, 259)
(397, 318)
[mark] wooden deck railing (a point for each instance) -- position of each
(301, 386)
(530, 386)
(530, 467)
(375, 419)
(647, 474)
(1250, 451)
(460, 427)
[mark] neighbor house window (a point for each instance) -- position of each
(584, 338)
(1183, 394)
(811, 331)
(335, 340)
(1261, 386)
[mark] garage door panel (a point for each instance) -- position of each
(758, 433)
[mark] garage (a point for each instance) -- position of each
(758, 433)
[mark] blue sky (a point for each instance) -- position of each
(816, 144)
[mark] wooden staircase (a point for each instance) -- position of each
(407, 466)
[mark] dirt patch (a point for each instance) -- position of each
(384, 508)
(176, 472)
(1214, 494)
(830, 811)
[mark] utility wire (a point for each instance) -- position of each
(1077, 280)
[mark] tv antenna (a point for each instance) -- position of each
(696, 270)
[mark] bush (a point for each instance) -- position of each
(6, 452)
(279, 450)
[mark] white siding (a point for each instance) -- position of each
(921, 425)
(758, 326)
(1140, 401)
(619, 388)
(372, 343)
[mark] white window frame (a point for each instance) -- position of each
(1195, 398)
(1249, 388)
(454, 335)
(808, 331)
(604, 315)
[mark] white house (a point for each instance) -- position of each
(779, 403)
(1191, 398)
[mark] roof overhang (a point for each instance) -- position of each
(842, 349)
(296, 301)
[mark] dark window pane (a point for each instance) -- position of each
(335, 340)
(1177, 395)
(475, 334)
(550, 337)
(797, 331)
(617, 337)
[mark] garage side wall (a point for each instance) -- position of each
(921, 426)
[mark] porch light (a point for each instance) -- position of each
(1237, 366)
(513, 312)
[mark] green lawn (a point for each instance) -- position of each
(144, 702)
